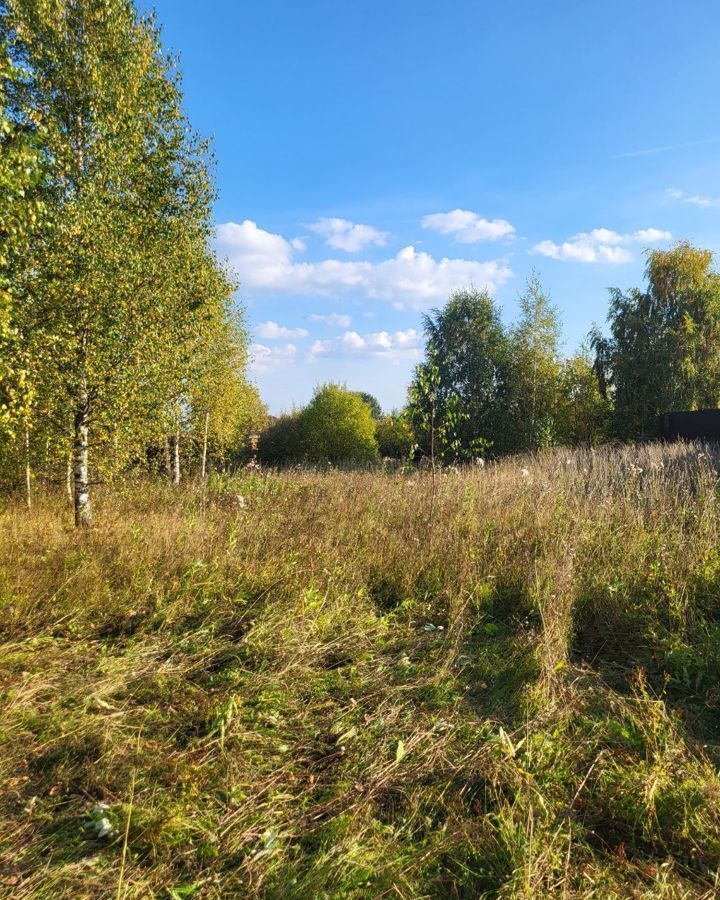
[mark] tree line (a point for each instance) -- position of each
(487, 389)
(119, 342)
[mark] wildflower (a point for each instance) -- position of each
(241, 501)
(525, 473)
(479, 461)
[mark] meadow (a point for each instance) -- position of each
(328, 684)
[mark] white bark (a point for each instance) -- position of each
(69, 478)
(205, 445)
(168, 461)
(176, 458)
(83, 512)
(28, 470)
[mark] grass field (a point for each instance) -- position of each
(296, 685)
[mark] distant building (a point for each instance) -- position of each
(692, 425)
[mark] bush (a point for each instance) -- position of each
(338, 426)
(372, 402)
(395, 437)
(280, 442)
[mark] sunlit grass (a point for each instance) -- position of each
(306, 691)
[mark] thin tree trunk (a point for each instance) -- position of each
(432, 464)
(28, 470)
(168, 461)
(205, 445)
(83, 513)
(176, 458)
(69, 477)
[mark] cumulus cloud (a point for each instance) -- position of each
(259, 256)
(271, 331)
(341, 234)
(467, 227)
(269, 359)
(693, 199)
(380, 344)
(601, 245)
(264, 262)
(336, 320)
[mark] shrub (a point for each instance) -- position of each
(338, 426)
(394, 436)
(280, 442)
(372, 402)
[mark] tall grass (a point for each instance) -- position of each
(295, 685)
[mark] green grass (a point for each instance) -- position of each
(313, 694)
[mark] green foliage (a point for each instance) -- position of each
(280, 441)
(663, 352)
(372, 402)
(440, 427)
(395, 436)
(121, 306)
(21, 173)
(338, 426)
(466, 370)
(222, 409)
(534, 384)
(582, 415)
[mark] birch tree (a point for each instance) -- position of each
(129, 191)
(534, 385)
(20, 207)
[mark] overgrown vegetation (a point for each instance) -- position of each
(118, 332)
(289, 685)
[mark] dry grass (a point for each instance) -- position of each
(309, 693)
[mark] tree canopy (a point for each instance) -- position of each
(663, 351)
(114, 306)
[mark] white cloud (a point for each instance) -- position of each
(600, 245)
(298, 244)
(341, 234)
(259, 256)
(269, 359)
(264, 262)
(337, 320)
(467, 227)
(693, 199)
(272, 331)
(380, 344)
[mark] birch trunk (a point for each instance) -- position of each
(28, 470)
(168, 460)
(176, 458)
(69, 478)
(205, 445)
(83, 513)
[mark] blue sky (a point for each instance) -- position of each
(374, 155)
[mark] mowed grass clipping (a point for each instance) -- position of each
(291, 685)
